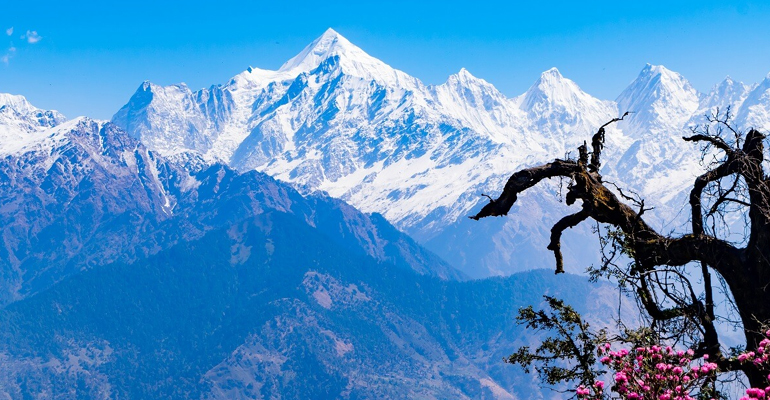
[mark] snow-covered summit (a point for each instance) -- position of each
(558, 105)
(18, 106)
(327, 45)
(553, 89)
(661, 100)
(550, 86)
(333, 47)
(727, 93)
(17, 102)
(22, 124)
(755, 109)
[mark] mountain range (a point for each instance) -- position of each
(336, 120)
(84, 193)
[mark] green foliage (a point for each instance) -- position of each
(568, 357)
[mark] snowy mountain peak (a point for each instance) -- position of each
(19, 109)
(144, 94)
(728, 84)
(475, 101)
(653, 69)
(660, 75)
(327, 45)
(727, 93)
(17, 103)
(348, 57)
(465, 78)
(464, 74)
(552, 92)
(552, 73)
(551, 85)
(662, 100)
(755, 108)
(662, 78)
(560, 110)
(22, 124)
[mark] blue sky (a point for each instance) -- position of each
(87, 58)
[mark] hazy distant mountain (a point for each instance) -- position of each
(337, 120)
(246, 313)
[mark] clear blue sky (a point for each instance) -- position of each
(89, 57)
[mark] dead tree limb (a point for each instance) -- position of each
(567, 222)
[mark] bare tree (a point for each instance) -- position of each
(661, 265)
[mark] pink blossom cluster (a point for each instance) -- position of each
(650, 373)
(662, 373)
(761, 359)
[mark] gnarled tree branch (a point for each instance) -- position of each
(523, 180)
(567, 222)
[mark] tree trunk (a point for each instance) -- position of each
(746, 270)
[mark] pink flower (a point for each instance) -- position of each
(663, 374)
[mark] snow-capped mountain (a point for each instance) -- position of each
(755, 109)
(22, 124)
(661, 99)
(727, 93)
(335, 119)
